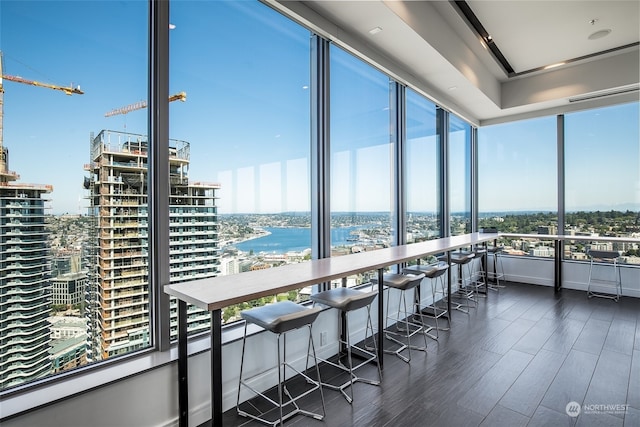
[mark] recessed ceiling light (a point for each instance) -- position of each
(599, 34)
(375, 30)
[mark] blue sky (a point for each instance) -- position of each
(517, 162)
(246, 114)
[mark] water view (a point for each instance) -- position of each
(294, 239)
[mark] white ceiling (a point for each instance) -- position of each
(534, 34)
(428, 45)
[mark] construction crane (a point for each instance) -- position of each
(181, 96)
(6, 175)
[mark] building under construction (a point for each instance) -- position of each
(117, 297)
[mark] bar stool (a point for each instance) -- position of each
(465, 291)
(347, 300)
(435, 273)
(280, 318)
(478, 270)
(608, 260)
(494, 277)
(402, 327)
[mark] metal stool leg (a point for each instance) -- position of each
(437, 311)
(346, 300)
(407, 331)
(498, 272)
(479, 274)
(289, 317)
(418, 316)
(435, 273)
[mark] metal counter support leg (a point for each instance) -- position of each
(484, 260)
(558, 265)
(343, 324)
(381, 321)
(449, 288)
(216, 368)
(183, 387)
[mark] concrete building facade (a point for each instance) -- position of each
(25, 287)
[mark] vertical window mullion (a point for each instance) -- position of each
(158, 175)
(320, 149)
(474, 179)
(442, 131)
(561, 180)
(398, 140)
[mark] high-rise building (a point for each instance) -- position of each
(25, 287)
(68, 289)
(117, 297)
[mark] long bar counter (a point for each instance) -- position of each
(213, 294)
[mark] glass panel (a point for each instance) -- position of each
(517, 184)
(247, 121)
(602, 164)
(459, 176)
(361, 157)
(422, 170)
(73, 218)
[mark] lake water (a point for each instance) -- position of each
(283, 240)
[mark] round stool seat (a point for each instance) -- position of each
(429, 271)
(344, 299)
(402, 281)
(281, 316)
(462, 258)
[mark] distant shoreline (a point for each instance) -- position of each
(264, 233)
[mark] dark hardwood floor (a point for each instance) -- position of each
(517, 360)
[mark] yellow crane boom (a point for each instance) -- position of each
(5, 174)
(66, 89)
(180, 96)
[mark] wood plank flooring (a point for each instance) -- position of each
(517, 360)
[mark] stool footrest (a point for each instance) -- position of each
(291, 400)
(369, 357)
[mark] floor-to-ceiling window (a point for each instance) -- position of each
(245, 71)
(361, 156)
(73, 221)
(517, 182)
(459, 175)
(422, 170)
(602, 178)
